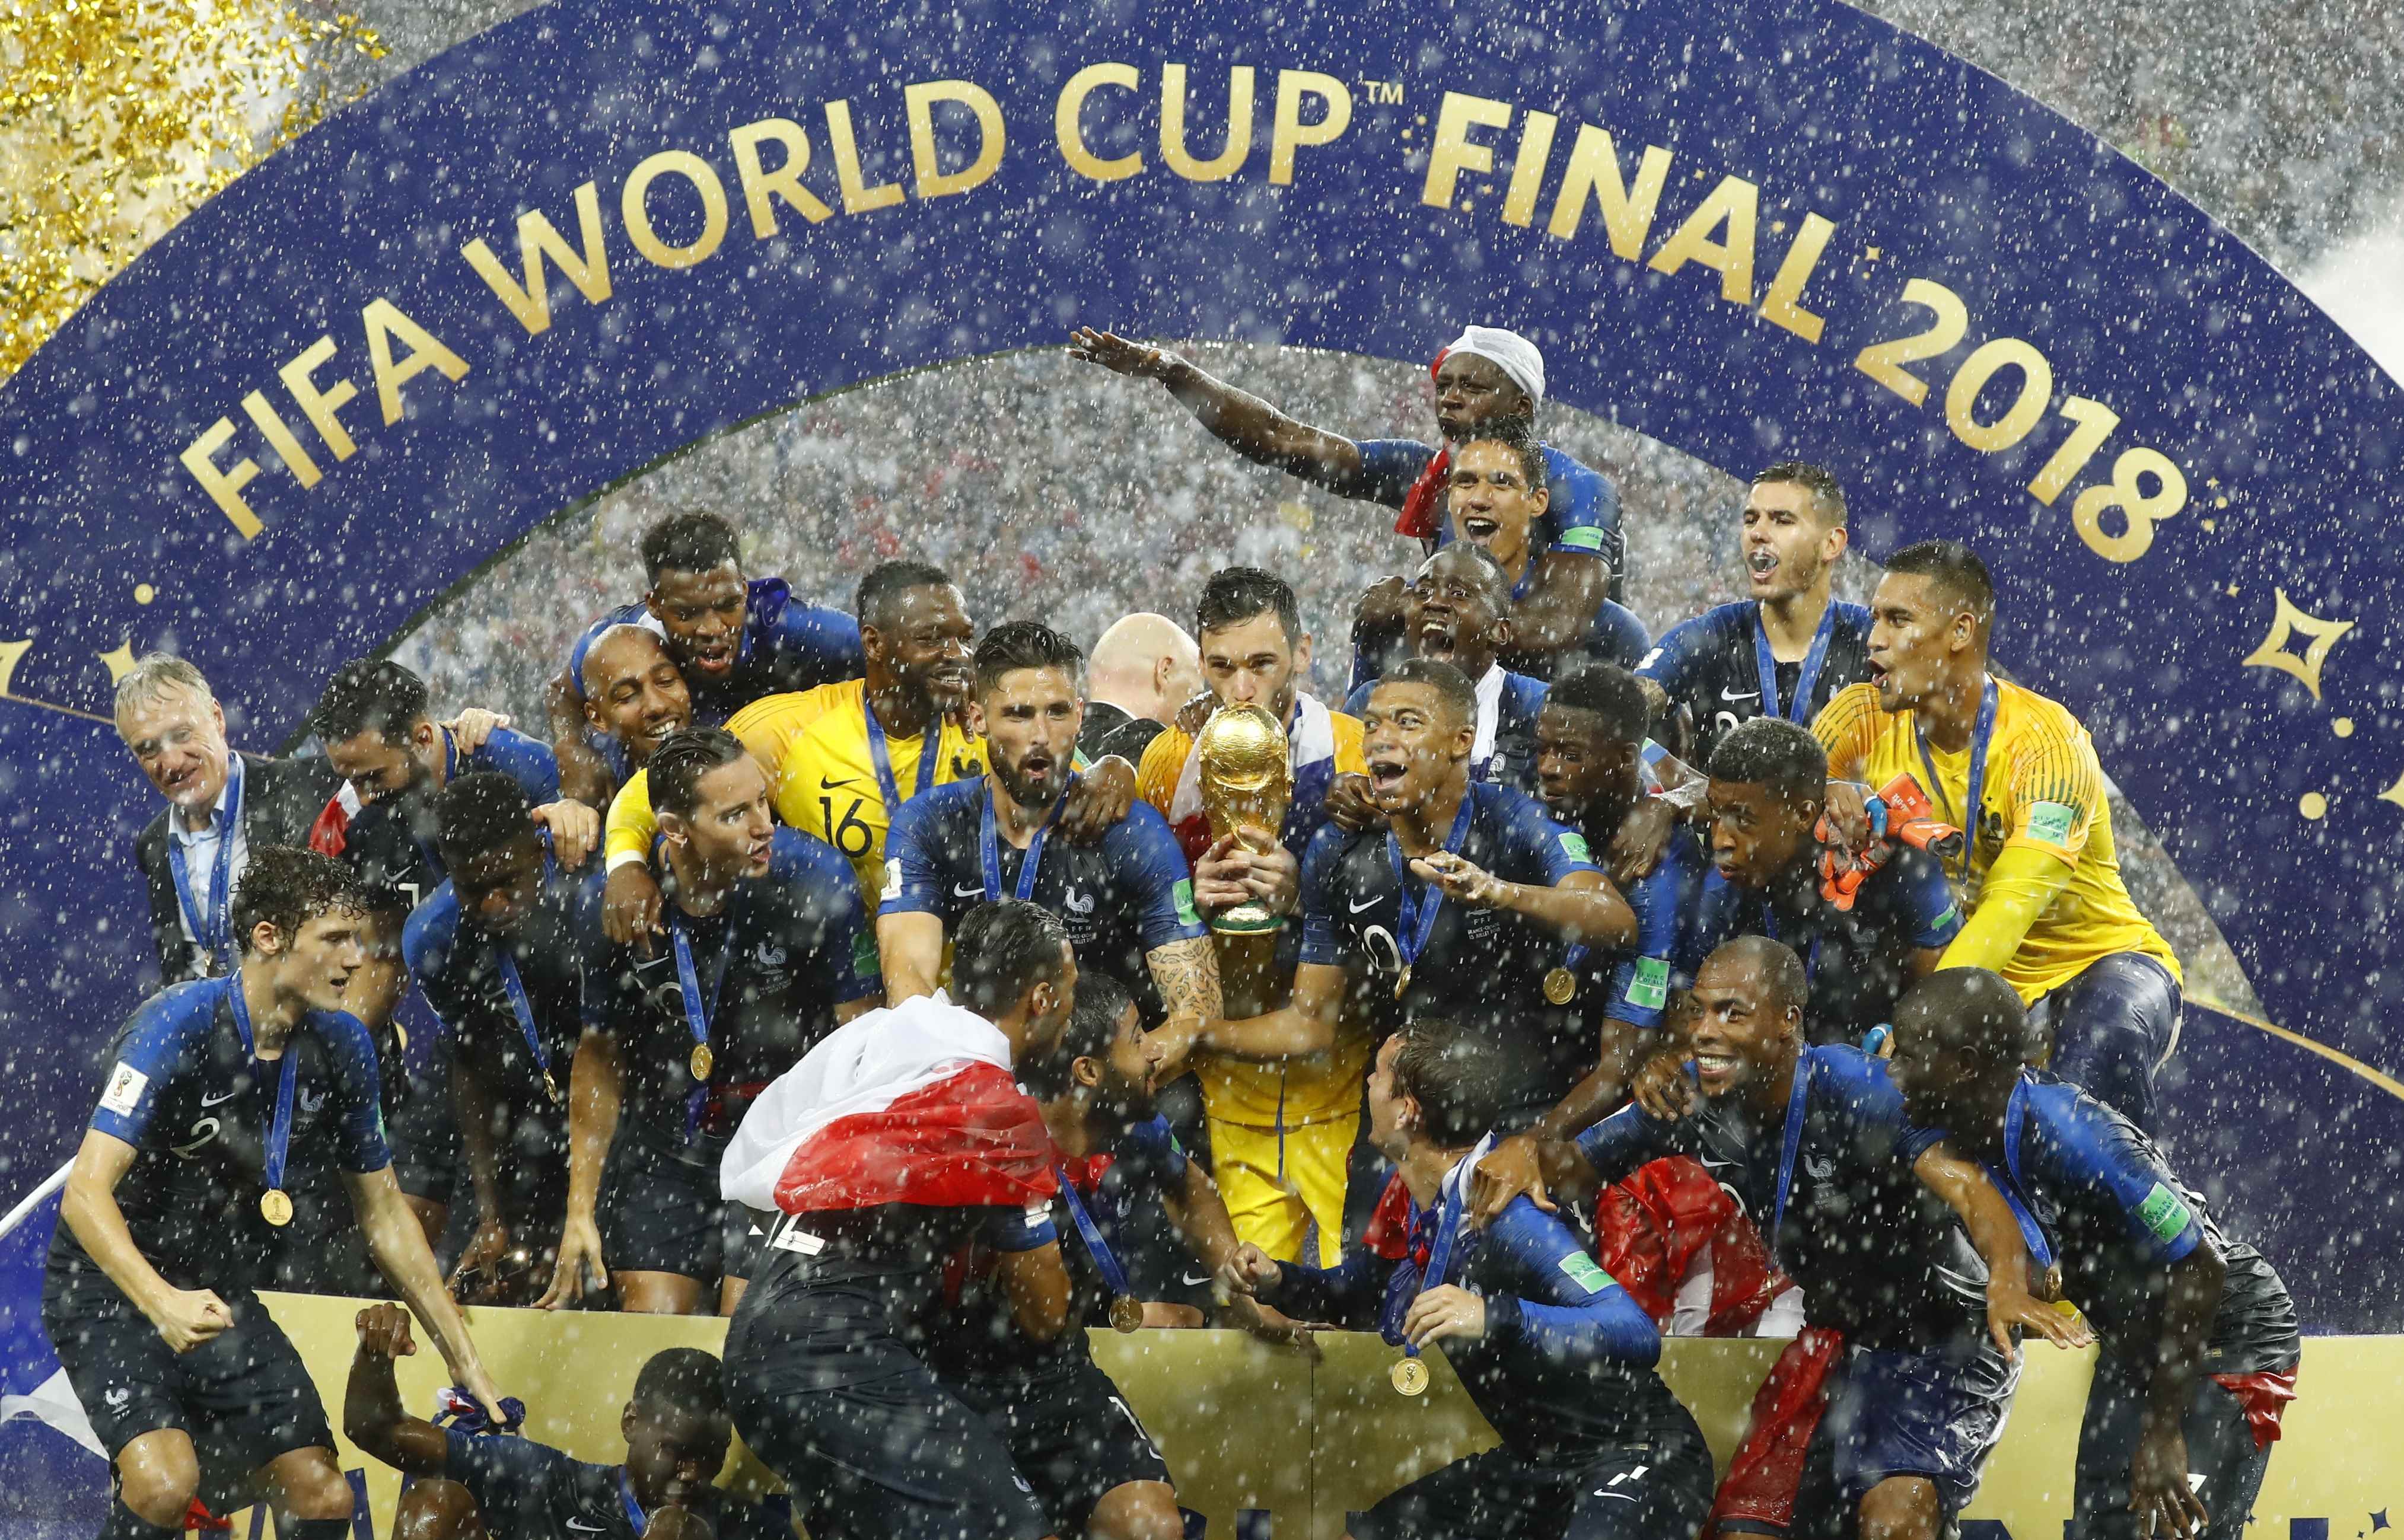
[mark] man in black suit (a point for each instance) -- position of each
(219, 808)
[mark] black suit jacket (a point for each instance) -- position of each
(280, 799)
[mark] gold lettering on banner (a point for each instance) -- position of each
(384, 321)
(635, 208)
(919, 102)
(1528, 169)
(281, 438)
(224, 486)
(320, 405)
(539, 243)
(1068, 128)
(1288, 133)
(762, 188)
(1733, 206)
(1453, 151)
(858, 197)
(1172, 125)
(1782, 306)
(1593, 172)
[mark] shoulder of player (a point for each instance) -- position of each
(346, 1038)
(1163, 757)
(185, 1013)
(1510, 815)
(426, 937)
(2037, 722)
(938, 806)
(797, 858)
(1852, 620)
(1562, 466)
(786, 721)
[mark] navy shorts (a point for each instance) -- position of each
(663, 1214)
(1655, 1490)
(1937, 1414)
(243, 1396)
(888, 1454)
(1070, 1434)
(424, 1136)
(2219, 1448)
(2112, 1027)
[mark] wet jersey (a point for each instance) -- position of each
(787, 645)
(1480, 968)
(530, 1491)
(781, 954)
(1582, 516)
(1877, 1255)
(1635, 985)
(1856, 959)
(1120, 898)
(1711, 665)
(197, 1109)
(391, 844)
(2118, 1220)
(1121, 1190)
(1504, 752)
(1565, 1366)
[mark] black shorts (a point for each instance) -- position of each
(1655, 1490)
(243, 1396)
(662, 1215)
(424, 1137)
(1070, 1434)
(891, 1454)
(2219, 1448)
(1935, 1414)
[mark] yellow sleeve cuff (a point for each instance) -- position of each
(632, 824)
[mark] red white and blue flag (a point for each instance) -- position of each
(915, 1104)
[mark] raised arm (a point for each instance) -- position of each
(1572, 1312)
(397, 1244)
(1556, 613)
(1305, 1026)
(1242, 421)
(582, 773)
(1582, 908)
(372, 1415)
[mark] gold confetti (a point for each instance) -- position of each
(118, 117)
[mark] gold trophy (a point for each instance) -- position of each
(1246, 779)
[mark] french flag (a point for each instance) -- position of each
(913, 1103)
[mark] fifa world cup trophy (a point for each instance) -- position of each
(1246, 779)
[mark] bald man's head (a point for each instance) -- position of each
(1146, 666)
(1750, 995)
(632, 689)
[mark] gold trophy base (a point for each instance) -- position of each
(1253, 918)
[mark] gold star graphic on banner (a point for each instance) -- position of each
(9, 653)
(2273, 653)
(120, 662)
(2394, 793)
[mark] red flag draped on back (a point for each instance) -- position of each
(915, 1104)
(1422, 512)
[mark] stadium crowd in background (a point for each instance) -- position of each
(855, 959)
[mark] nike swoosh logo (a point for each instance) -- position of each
(1709, 1164)
(588, 1529)
(959, 892)
(825, 785)
(213, 1101)
(1194, 1280)
(1728, 694)
(1367, 905)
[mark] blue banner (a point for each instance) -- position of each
(601, 231)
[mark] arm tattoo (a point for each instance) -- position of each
(1187, 975)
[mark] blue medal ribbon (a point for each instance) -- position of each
(634, 1514)
(697, 1016)
(279, 1128)
(212, 929)
(1792, 1144)
(989, 846)
(1106, 1261)
(2007, 1181)
(1805, 682)
(1449, 1203)
(1980, 736)
(522, 1008)
(883, 761)
(1420, 902)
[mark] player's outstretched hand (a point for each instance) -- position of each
(477, 1277)
(1847, 814)
(383, 1333)
(630, 905)
(580, 1266)
(189, 1317)
(1273, 1326)
(1446, 1311)
(1098, 800)
(474, 727)
(2160, 1493)
(1463, 880)
(2008, 1307)
(1349, 803)
(575, 830)
(1511, 1170)
(1642, 836)
(1662, 1087)
(1195, 714)
(1115, 353)
(1381, 603)
(1248, 1271)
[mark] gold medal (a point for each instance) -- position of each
(701, 1060)
(1409, 1376)
(276, 1207)
(1126, 1313)
(1560, 986)
(551, 1086)
(1402, 981)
